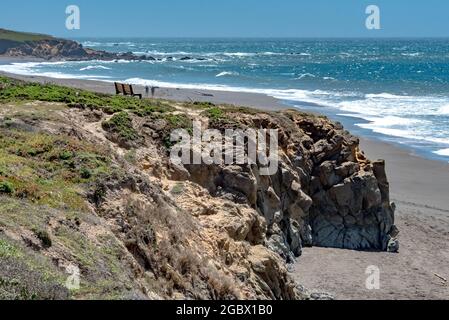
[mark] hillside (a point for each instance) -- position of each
(30, 45)
(22, 36)
(86, 181)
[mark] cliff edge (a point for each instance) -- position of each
(86, 182)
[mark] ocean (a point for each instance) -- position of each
(396, 90)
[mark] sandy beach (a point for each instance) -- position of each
(419, 187)
(254, 100)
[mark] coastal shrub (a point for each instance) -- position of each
(8, 250)
(219, 117)
(48, 169)
(121, 125)
(175, 121)
(6, 187)
(65, 155)
(215, 113)
(151, 110)
(85, 173)
(26, 276)
(44, 237)
(179, 121)
(199, 105)
(177, 189)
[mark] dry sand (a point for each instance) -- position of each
(419, 187)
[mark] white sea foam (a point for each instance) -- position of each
(411, 133)
(226, 73)
(305, 75)
(162, 53)
(385, 96)
(303, 96)
(444, 110)
(29, 68)
(409, 117)
(413, 54)
(95, 68)
(91, 44)
(443, 152)
(239, 54)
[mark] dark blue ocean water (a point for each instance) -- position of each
(392, 89)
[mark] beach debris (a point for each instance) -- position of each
(204, 94)
(443, 279)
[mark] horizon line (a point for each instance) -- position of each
(259, 37)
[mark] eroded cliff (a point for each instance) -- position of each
(86, 181)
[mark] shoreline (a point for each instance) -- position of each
(418, 187)
(235, 96)
(414, 176)
(248, 99)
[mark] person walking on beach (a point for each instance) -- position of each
(153, 91)
(147, 91)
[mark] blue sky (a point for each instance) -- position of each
(229, 18)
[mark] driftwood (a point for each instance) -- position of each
(204, 94)
(440, 277)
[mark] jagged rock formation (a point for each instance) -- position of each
(60, 49)
(19, 44)
(326, 193)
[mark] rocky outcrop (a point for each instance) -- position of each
(326, 193)
(60, 49)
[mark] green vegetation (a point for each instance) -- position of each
(220, 117)
(215, 113)
(22, 36)
(179, 121)
(6, 187)
(14, 91)
(199, 105)
(120, 124)
(178, 189)
(7, 250)
(48, 169)
(175, 121)
(25, 275)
